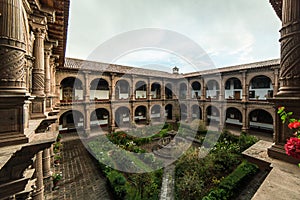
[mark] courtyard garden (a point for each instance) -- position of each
(212, 167)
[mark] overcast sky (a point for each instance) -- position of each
(230, 32)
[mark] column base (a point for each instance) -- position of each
(277, 151)
(38, 108)
(245, 130)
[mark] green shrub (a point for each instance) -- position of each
(230, 185)
(117, 182)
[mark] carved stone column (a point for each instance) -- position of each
(48, 49)
(112, 87)
(12, 48)
(289, 91)
(38, 106)
(12, 73)
(38, 79)
(47, 89)
(39, 191)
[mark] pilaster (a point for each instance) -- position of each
(289, 91)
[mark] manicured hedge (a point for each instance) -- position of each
(230, 185)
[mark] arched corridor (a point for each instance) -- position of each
(213, 115)
(122, 117)
(261, 120)
(71, 90)
(99, 89)
(100, 119)
(140, 115)
(122, 90)
(70, 120)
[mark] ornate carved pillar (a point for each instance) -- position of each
(47, 89)
(290, 49)
(12, 72)
(39, 191)
(12, 48)
(38, 71)
(289, 91)
(48, 49)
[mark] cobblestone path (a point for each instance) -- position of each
(81, 177)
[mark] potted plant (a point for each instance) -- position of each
(56, 177)
(57, 159)
(58, 139)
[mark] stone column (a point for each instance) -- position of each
(245, 119)
(47, 88)
(39, 191)
(112, 119)
(203, 85)
(132, 88)
(112, 87)
(149, 89)
(87, 120)
(12, 48)
(245, 86)
(38, 71)
(48, 48)
(222, 90)
(86, 86)
(46, 163)
(289, 91)
(163, 90)
(221, 118)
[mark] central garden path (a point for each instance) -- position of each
(167, 188)
(81, 177)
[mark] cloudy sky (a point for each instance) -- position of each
(228, 32)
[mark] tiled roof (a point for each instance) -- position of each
(247, 66)
(71, 63)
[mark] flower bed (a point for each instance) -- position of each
(196, 176)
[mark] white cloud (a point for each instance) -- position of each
(231, 32)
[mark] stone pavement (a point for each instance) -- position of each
(81, 177)
(283, 181)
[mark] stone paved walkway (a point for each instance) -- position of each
(167, 188)
(81, 177)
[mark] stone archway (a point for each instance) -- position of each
(70, 120)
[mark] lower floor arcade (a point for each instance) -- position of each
(110, 117)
